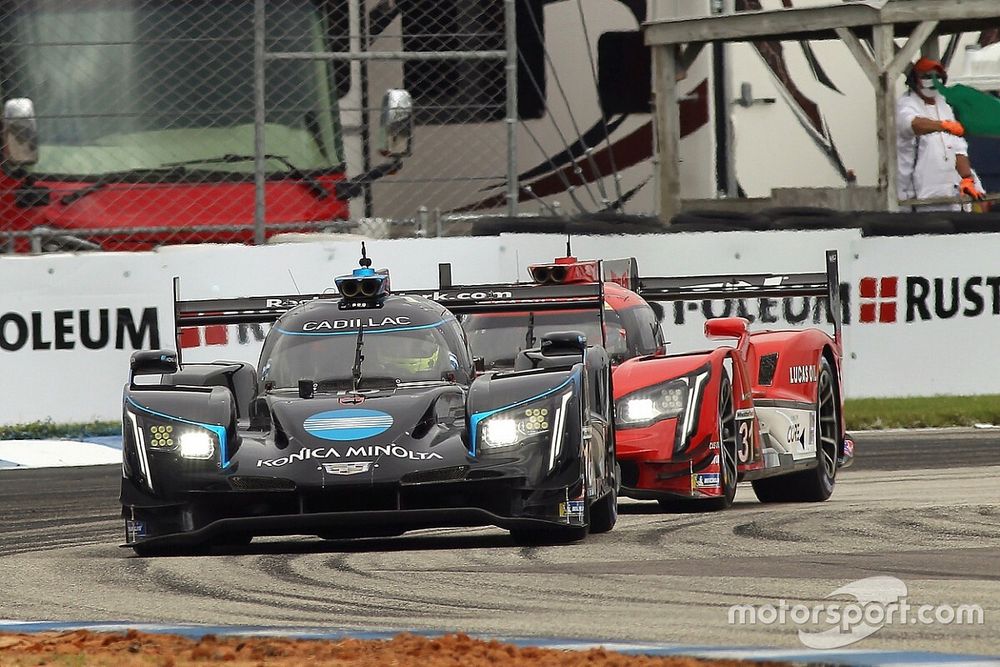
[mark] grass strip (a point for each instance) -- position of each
(921, 412)
(49, 430)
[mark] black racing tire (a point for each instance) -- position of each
(778, 212)
(728, 448)
(604, 512)
(975, 223)
(507, 225)
(710, 220)
(804, 222)
(816, 484)
(905, 223)
(701, 227)
(607, 228)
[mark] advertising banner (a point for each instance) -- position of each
(919, 313)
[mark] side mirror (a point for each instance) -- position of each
(563, 342)
(726, 327)
(396, 131)
(152, 362)
(20, 132)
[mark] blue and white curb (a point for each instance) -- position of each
(838, 657)
(60, 453)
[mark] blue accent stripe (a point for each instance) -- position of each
(873, 658)
(354, 331)
(476, 418)
(219, 431)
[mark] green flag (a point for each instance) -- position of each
(977, 111)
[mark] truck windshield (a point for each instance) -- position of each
(130, 85)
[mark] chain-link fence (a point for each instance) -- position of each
(135, 123)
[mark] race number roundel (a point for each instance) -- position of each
(343, 425)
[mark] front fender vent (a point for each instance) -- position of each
(767, 368)
(440, 475)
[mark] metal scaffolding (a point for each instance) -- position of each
(677, 42)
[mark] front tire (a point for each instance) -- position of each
(816, 484)
(604, 513)
(728, 448)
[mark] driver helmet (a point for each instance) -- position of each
(411, 355)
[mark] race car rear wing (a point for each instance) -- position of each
(513, 297)
(750, 286)
(243, 310)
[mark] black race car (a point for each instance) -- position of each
(367, 417)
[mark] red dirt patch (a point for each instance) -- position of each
(135, 649)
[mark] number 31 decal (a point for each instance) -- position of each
(744, 431)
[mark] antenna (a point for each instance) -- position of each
(294, 284)
(569, 247)
(364, 262)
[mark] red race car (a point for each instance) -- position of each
(689, 426)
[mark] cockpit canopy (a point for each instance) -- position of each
(409, 339)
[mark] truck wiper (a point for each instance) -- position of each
(358, 358)
(314, 186)
(104, 180)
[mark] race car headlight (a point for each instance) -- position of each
(190, 440)
(674, 399)
(513, 428)
(196, 444)
(652, 404)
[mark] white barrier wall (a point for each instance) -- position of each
(921, 312)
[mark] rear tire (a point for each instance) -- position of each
(816, 484)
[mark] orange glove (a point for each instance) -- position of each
(953, 127)
(968, 188)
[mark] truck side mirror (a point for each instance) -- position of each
(20, 132)
(396, 131)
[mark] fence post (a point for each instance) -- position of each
(510, 28)
(259, 120)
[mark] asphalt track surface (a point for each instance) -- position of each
(923, 507)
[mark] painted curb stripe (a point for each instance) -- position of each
(838, 657)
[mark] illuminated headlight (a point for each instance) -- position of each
(517, 426)
(161, 434)
(679, 399)
(196, 445)
(662, 401)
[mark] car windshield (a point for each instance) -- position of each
(131, 85)
(390, 357)
(497, 338)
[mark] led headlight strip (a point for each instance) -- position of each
(506, 429)
(560, 419)
(140, 446)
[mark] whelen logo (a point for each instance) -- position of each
(219, 334)
(889, 299)
(878, 299)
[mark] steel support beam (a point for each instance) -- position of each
(885, 112)
(668, 131)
